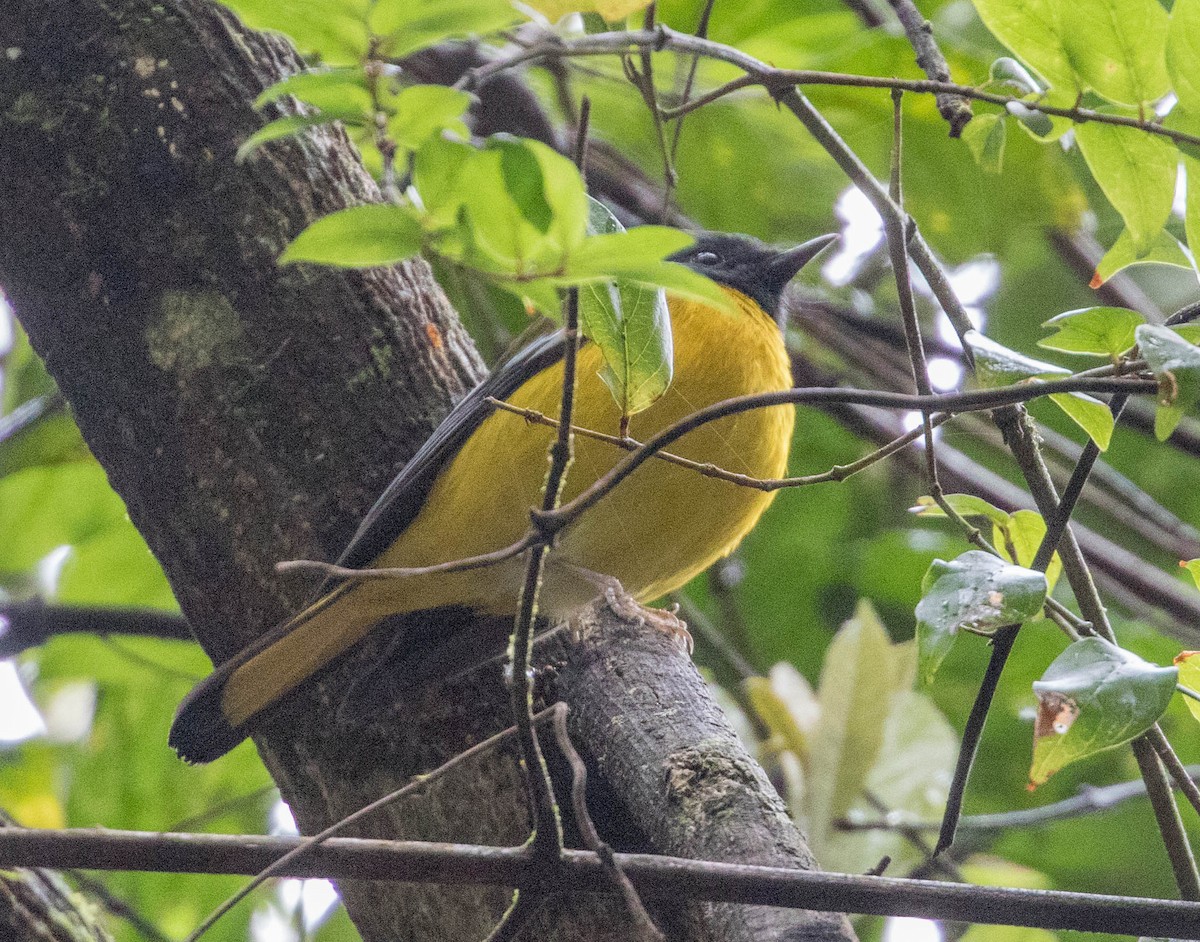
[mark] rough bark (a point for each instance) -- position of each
(248, 413)
(36, 906)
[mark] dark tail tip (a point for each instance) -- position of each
(201, 732)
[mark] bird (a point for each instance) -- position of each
(468, 491)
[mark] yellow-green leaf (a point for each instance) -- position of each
(358, 237)
(1091, 415)
(1117, 47)
(1099, 331)
(1164, 249)
(1183, 53)
(1188, 663)
(1137, 173)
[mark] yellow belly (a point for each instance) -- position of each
(654, 532)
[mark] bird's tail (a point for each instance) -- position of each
(213, 718)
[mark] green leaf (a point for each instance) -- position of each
(600, 219)
(1092, 697)
(1018, 539)
(997, 365)
(524, 181)
(358, 237)
(1137, 173)
(985, 136)
(420, 112)
(1117, 47)
(1164, 249)
(1031, 29)
(910, 778)
(43, 508)
(975, 592)
(968, 505)
(1191, 218)
(333, 30)
(1193, 567)
(1091, 415)
(1176, 364)
(1189, 332)
(1183, 52)
(1041, 126)
(1008, 71)
(1099, 331)
(524, 207)
(437, 168)
(408, 25)
(72, 505)
(787, 705)
(1188, 663)
(542, 295)
(279, 129)
(340, 93)
(619, 253)
(632, 326)
(862, 670)
(1185, 119)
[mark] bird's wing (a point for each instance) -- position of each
(403, 499)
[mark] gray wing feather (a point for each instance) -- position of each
(403, 499)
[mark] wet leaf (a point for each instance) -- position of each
(976, 592)
(1092, 697)
(1176, 364)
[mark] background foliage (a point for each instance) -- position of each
(834, 715)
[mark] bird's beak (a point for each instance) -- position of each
(785, 265)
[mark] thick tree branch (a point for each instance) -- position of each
(248, 413)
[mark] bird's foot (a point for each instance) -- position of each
(666, 620)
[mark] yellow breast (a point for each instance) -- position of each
(654, 532)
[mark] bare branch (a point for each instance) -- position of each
(654, 877)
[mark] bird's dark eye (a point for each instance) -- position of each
(707, 258)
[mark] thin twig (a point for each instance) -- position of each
(28, 413)
(587, 829)
(549, 522)
(30, 623)
(309, 845)
(952, 106)
(1005, 637)
(773, 79)
(643, 81)
(546, 841)
(1090, 800)
(960, 402)
(837, 473)
(1166, 812)
(1180, 774)
(405, 572)
(1018, 432)
(688, 84)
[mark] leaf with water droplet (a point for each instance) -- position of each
(976, 592)
(1092, 697)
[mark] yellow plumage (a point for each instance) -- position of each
(653, 533)
(469, 491)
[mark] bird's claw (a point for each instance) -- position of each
(666, 620)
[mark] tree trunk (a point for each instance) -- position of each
(249, 413)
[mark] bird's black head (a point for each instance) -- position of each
(757, 270)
